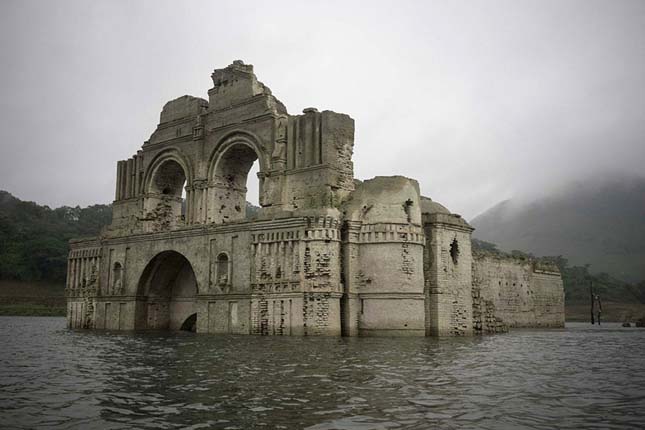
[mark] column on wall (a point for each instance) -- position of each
(85, 268)
(202, 205)
(72, 275)
(69, 272)
(189, 204)
(137, 162)
(77, 272)
(133, 176)
(117, 194)
(128, 178)
(351, 269)
(122, 180)
(304, 140)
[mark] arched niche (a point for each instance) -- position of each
(223, 266)
(117, 279)
(167, 292)
(165, 183)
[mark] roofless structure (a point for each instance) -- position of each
(324, 255)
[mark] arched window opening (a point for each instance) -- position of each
(166, 203)
(253, 190)
(169, 179)
(454, 251)
(234, 172)
(183, 201)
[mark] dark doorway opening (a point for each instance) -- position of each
(190, 324)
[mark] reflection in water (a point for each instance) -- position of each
(580, 377)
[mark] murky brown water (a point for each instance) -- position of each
(581, 377)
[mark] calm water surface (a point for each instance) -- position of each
(580, 377)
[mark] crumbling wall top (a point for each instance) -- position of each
(235, 84)
(428, 206)
(435, 213)
(384, 199)
(538, 264)
(182, 107)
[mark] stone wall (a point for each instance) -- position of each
(83, 272)
(447, 268)
(383, 259)
(523, 292)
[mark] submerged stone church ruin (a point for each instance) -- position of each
(325, 254)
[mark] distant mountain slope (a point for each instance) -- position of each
(598, 224)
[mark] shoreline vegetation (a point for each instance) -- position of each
(20, 298)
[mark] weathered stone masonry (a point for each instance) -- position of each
(325, 255)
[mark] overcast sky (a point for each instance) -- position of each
(478, 100)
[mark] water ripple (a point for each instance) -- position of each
(581, 377)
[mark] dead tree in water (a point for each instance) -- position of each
(591, 297)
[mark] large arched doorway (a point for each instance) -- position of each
(166, 202)
(168, 290)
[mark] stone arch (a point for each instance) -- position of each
(190, 324)
(228, 170)
(169, 154)
(164, 182)
(233, 138)
(166, 292)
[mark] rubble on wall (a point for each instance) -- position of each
(484, 319)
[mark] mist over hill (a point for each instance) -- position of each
(600, 223)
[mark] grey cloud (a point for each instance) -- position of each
(479, 101)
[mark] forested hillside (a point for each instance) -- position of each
(34, 239)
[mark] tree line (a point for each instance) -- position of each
(34, 239)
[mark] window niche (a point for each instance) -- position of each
(223, 271)
(117, 275)
(165, 203)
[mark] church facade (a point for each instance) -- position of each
(325, 254)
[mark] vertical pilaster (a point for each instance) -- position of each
(135, 178)
(315, 139)
(122, 180)
(128, 178)
(75, 276)
(189, 206)
(119, 174)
